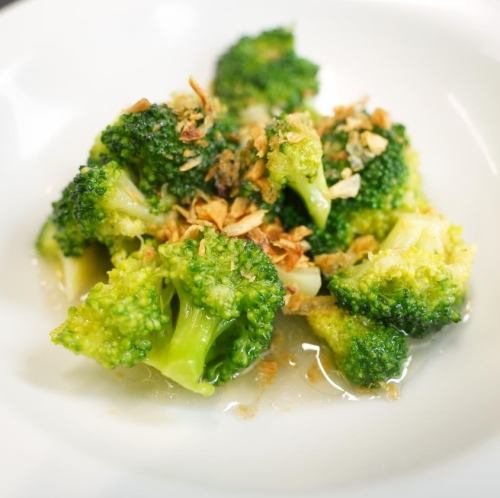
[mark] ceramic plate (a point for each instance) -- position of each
(70, 429)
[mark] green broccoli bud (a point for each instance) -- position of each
(108, 205)
(366, 353)
(102, 203)
(294, 159)
(67, 230)
(416, 282)
(228, 292)
(265, 70)
(154, 145)
(116, 322)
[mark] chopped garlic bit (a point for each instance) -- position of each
(357, 153)
(381, 118)
(194, 122)
(202, 248)
(140, 106)
(202, 95)
(346, 188)
(331, 263)
(375, 143)
(215, 210)
(346, 173)
(298, 304)
(260, 141)
(361, 247)
(246, 224)
(192, 163)
(256, 171)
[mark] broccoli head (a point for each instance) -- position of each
(67, 231)
(365, 352)
(77, 274)
(228, 293)
(416, 282)
(117, 321)
(265, 70)
(390, 183)
(103, 204)
(169, 149)
(294, 159)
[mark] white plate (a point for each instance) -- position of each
(68, 429)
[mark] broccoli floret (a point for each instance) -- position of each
(416, 282)
(108, 205)
(156, 142)
(365, 352)
(46, 243)
(68, 233)
(200, 311)
(77, 274)
(390, 185)
(294, 159)
(103, 204)
(228, 293)
(115, 324)
(265, 70)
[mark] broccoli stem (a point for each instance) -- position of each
(161, 342)
(127, 199)
(183, 360)
(315, 197)
(416, 230)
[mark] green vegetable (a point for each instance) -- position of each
(77, 274)
(116, 323)
(390, 185)
(265, 70)
(46, 243)
(416, 282)
(367, 353)
(200, 308)
(103, 204)
(294, 159)
(152, 144)
(200, 311)
(228, 292)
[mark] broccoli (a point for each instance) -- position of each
(103, 204)
(228, 292)
(66, 229)
(157, 142)
(416, 282)
(365, 352)
(46, 243)
(199, 311)
(77, 274)
(294, 159)
(265, 70)
(116, 322)
(390, 184)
